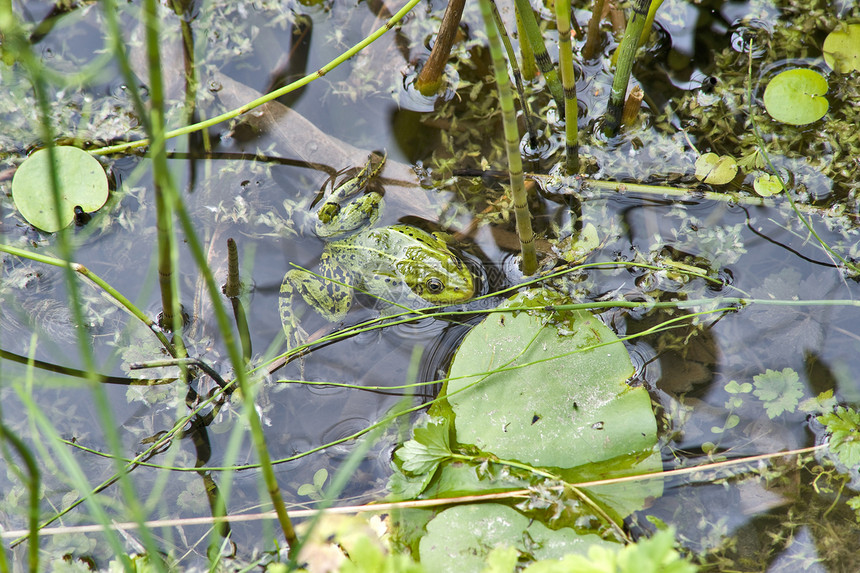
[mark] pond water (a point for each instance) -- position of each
(254, 181)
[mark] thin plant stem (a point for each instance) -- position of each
(512, 144)
(125, 147)
(652, 13)
(544, 63)
(518, 79)
(13, 40)
(165, 191)
(235, 355)
(626, 55)
(568, 80)
(232, 289)
(33, 484)
(430, 78)
(716, 467)
(83, 271)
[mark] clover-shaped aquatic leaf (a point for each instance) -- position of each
(842, 49)
(795, 97)
(716, 169)
(780, 391)
(81, 179)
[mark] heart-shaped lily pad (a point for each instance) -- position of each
(716, 169)
(767, 185)
(795, 97)
(842, 49)
(82, 182)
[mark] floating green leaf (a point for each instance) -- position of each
(795, 97)
(82, 181)
(716, 169)
(767, 185)
(460, 538)
(551, 395)
(842, 49)
(780, 391)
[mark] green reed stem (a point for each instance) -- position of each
(236, 359)
(33, 483)
(16, 43)
(626, 55)
(568, 78)
(535, 39)
(165, 191)
(232, 289)
(528, 55)
(512, 144)
(652, 13)
(518, 79)
(124, 147)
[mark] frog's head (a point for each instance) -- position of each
(441, 280)
(434, 273)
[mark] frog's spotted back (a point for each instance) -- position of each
(398, 263)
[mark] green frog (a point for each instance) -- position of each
(397, 263)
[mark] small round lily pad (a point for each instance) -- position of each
(716, 169)
(82, 182)
(842, 49)
(767, 185)
(795, 97)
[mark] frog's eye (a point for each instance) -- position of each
(434, 285)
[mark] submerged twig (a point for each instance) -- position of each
(430, 77)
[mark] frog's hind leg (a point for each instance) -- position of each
(329, 299)
(289, 308)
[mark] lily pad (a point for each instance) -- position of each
(842, 49)
(551, 394)
(795, 97)
(767, 185)
(716, 169)
(460, 538)
(82, 182)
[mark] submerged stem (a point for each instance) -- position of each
(430, 79)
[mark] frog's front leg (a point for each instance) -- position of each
(329, 299)
(358, 214)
